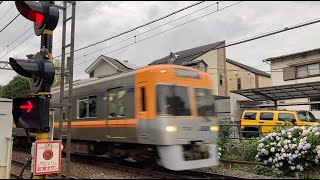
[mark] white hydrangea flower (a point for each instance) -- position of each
(272, 149)
(280, 163)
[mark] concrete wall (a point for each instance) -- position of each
(235, 105)
(104, 69)
(222, 105)
(6, 122)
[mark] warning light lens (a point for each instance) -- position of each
(28, 107)
(39, 19)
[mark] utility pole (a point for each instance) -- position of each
(65, 112)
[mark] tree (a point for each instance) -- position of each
(1, 91)
(57, 78)
(17, 87)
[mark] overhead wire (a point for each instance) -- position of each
(138, 27)
(10, 22)
(23, 40)
(6, 12)
(228, 45)
(148, 30)
(164, 31)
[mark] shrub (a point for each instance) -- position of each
(249, 149)
(291, 149)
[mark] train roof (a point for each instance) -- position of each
(92, 81)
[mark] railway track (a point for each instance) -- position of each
(132, 168)
(160, 173)
(17, 166)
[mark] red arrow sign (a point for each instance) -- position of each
(29, 106)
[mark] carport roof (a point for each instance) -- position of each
(284, 92)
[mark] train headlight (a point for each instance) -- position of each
(171, 129)
(214, 128)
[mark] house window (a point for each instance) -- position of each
(220, 79)
(92, 74)
(87, 107)
(116, 103)
(239, 83)
(308, 70)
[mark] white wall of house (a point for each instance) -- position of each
(297, 63)
(104, 69)
(278, 65)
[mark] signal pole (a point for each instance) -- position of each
(46, 43)
(40, 70)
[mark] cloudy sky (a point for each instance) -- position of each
(96, 21)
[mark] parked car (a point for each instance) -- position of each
(260, 121)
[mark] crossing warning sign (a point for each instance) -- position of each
(47, 157)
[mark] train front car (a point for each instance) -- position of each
(175, 108)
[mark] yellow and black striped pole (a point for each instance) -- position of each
(46, 42)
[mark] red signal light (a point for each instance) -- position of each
(39, 19)
(28, 107)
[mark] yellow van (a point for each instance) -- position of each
(255, 122)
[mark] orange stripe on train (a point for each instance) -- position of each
(100, 123)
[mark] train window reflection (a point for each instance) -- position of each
(204, 102)
(172, 100)
(116, 103)
(112, 103)
(92, 106)
(83, 108)
(87, 107)
(121, 103)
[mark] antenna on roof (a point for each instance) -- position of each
(173, 57)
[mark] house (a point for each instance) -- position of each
(106, 66)
(227, 74)
(295, 68)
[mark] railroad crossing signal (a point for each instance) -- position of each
(31, 113)
(39, 69)
(43, 14)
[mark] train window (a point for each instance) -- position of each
(143, 99)
(121, 103)
(187, 73)
(87, 107)
(204, 102)
(172, 100)
(112, 98)
(83, 107)
(92, 106)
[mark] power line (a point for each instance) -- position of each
(164, 31)
(228, 45)
(7, 12)
(16, 46)
(10, 22)
(149, 30)
(16, 39)
(21, 36)
(138, 27)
